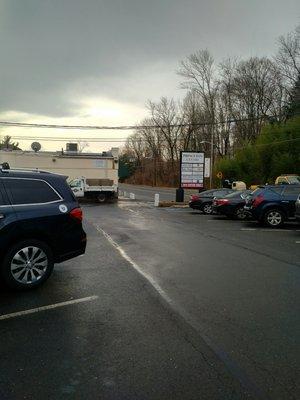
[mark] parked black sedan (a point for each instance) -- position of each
(203, 201)
(232, 205)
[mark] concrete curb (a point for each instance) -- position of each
(173, 204)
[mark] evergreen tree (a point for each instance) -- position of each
(8, 144)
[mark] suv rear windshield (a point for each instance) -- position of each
(30, 191)
(276, 189)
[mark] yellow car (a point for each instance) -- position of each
(287, 180)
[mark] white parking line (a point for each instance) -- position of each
(134, 265)
(49, 307)
(268, 230)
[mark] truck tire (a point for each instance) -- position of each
(101, 198)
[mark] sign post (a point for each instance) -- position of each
(191, 172)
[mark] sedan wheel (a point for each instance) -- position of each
(207, 208)
(240, 214)
(274, 218)
(27, 264)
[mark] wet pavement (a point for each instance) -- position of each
(180, 306)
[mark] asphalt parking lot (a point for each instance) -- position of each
(166, 304)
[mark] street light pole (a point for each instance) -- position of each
(211, 157)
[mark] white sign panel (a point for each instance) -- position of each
(192, 169)
(192, 158)
(207, 168)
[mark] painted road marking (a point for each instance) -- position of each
(134, 212)
(277, 230)
(49, 307)
(134, 265)
(269, 230)
(298, 241)
(236, 371)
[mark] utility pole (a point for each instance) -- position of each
(211, 143)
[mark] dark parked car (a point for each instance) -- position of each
(273, 205)
(297, 205)
(203, 201)
(232, 205)
(40, 224)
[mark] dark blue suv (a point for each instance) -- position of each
(273, 204)
(40, 224)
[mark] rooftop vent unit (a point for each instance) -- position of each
(72, 148)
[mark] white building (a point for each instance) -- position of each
(91, 165)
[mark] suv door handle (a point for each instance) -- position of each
(2, 216)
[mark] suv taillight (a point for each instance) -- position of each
(76, 214)
(195, 197)
(257, 200)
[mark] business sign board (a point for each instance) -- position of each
(192, 169)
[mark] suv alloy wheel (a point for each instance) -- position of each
(274, 218)
(27, 264)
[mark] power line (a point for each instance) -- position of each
(129, 127)
(71, 139)
(123, 140)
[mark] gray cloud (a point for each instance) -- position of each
(121, 49)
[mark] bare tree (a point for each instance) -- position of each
(252, 90)
(165, 116)
(199, 71)
(288, 56)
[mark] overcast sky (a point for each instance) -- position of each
(99, 61)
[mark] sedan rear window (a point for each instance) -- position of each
(206, 193)
(238, 194)
(30, 191)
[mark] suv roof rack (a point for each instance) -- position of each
(5, 167)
